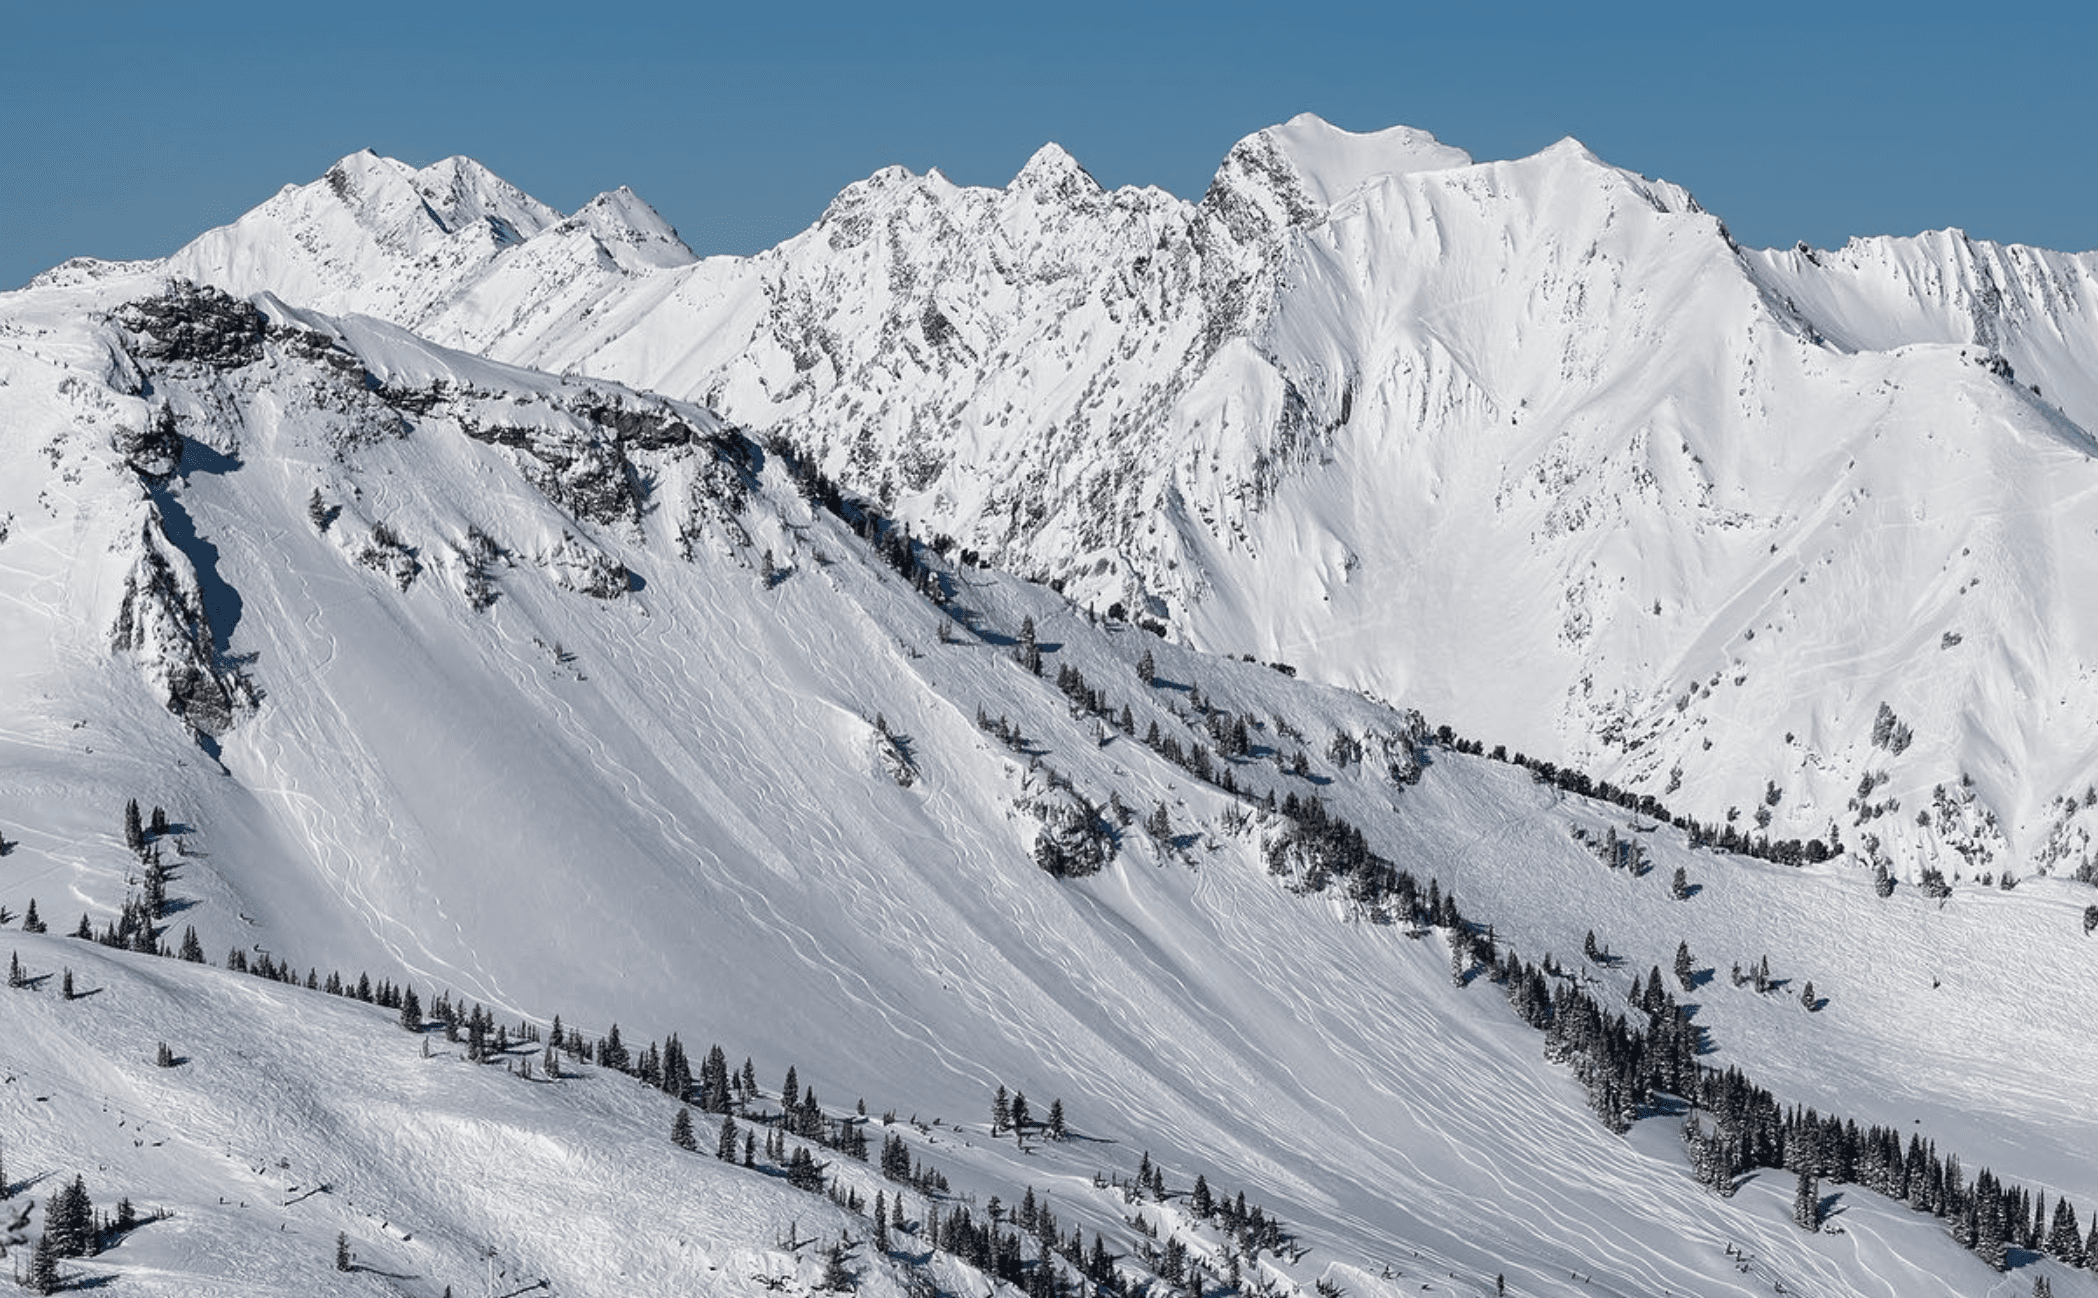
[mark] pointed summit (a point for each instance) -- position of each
(634, 233)
(1052, 173)
(460, 192)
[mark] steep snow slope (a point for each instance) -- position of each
(647, 784)
(1531, 444)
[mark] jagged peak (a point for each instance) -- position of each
(634, 228)
(1053, 171)
(461, 191)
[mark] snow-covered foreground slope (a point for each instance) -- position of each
(1532, 445)
(560, 697)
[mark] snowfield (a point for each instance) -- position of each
(484, 667)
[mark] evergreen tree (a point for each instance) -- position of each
(1146, 670)
(342, 1251)
(714, 1082)
(69, 1220)
(2064, 1240)
(1684, 970)
(15, 976)
(317, 510)
(43, 1267)
(65, 986)
(1806, 1201)
(881, 1222)
(1001, 1112)
(31, 921)
(1056, 1120)
(1159, 825)
(836, 1277)
(1021, 1116)
(1029, 653)
(681, 1130)
(411, 1011)
(134, 830)
(725, 1147)
(1807, 998)
(157, 823)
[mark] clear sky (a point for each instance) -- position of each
(127, 128)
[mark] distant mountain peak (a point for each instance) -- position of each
(1052, 173)
(1331, 162)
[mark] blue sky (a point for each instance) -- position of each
(127, 128)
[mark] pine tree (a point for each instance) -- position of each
(157, 823)
(1806, 1201)
(411, 1011)
(1684, 966)
(835, 1275)
(163, 1056)
(1679, 886)
(134, 830)
(681, 1130)
(1056, 1120)
(1029, 654)
(881, 1221)
(342, 1251)
(317, 510)
(65, 985)
(2064, 1240)
(69, 1220)
(15, 976)
(1146, 670)
(43, 1267)
(725, 1147)
(1159, 825)
(31, 921)
(1021, 1116)
(1590, 949)
(1001, 1112)
(1807, 998)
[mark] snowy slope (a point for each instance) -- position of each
(1532, 445)
(647, 785)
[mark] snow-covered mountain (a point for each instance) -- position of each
(562, 695)
(1532, 445)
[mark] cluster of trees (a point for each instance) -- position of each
(1625, 1062)
(72, 1229)
(1744, 1128)
(1726, 837)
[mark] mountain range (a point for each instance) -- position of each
(1020, 637)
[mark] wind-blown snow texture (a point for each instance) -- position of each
(525, 718)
